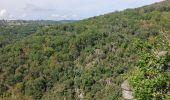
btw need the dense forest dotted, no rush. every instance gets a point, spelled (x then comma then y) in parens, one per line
(88, 59)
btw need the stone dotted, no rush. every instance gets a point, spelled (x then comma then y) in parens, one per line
(127, 95)
(81, 96)
(125, 85)
(126, 91)
(162, 53)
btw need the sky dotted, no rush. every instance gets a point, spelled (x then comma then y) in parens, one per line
(64, 9)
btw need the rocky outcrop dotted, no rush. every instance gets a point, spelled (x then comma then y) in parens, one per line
(126, 91)
(162, 53)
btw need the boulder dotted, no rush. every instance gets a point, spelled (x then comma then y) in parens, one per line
(125, 86)
(126, 91)
(162, 53)
(127, 95)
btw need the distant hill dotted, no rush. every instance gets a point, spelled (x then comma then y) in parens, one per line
(88, 59)
(41, 22)
(12, 30)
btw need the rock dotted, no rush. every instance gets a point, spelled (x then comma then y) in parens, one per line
(108, 81)
(125, 86)
(80, 93)
(126, 91)
(127, 95)
(98, 52)
(81, 96)
(162, 53)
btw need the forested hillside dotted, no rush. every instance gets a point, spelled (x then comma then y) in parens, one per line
(89, 59)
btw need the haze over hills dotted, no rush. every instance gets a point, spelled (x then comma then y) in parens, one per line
(88, 59)
(63, 9)
(40, 22)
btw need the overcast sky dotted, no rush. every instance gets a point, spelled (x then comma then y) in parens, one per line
(64, 9)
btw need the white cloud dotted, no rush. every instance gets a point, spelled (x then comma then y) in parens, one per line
(55, 15)
(3, 13)
(60, 17)
(11, 16)
(37, 8)
(75, 16)
(24, 15)
(62, 9)
(64, 17)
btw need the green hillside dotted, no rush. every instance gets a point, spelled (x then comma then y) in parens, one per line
(89, 59)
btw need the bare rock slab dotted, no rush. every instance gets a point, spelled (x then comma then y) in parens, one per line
(126, 91)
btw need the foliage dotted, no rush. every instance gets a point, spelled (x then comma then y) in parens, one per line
(86, 58)
(152, 80)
